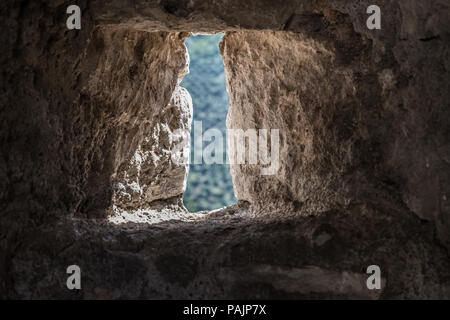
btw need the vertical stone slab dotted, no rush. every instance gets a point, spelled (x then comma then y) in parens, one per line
(130, 108)
(363, 115)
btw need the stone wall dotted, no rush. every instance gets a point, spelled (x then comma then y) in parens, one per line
(88, 118)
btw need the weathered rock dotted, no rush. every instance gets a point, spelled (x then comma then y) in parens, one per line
(88, 116)
(134, 104)
(352, 106)
(322, 257)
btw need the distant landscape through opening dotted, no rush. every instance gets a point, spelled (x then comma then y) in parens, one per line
(209, 186)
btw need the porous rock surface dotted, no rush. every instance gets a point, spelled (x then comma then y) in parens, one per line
(87, 160)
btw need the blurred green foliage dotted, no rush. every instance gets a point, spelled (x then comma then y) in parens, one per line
(209, 186)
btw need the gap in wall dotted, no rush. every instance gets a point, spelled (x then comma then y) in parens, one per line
(209, 186)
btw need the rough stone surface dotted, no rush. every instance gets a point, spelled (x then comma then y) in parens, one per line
(363, 115)
(86, 168)
(155, 172)
(323, 257)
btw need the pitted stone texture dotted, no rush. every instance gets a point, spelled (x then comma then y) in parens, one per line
(362, 114)
(132, 105)
(199, 15)
(157, 170)
(235, 257)
(288, 82)
(76, 104)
